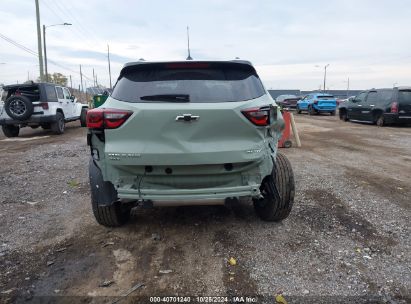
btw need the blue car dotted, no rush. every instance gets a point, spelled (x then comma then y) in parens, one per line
(316, 103)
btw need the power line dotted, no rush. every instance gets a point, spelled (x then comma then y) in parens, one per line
(84, 31)
(26, 49)
(20, 46)
(87, 30)
(78, 33)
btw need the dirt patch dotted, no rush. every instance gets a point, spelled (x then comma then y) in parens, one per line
(348, 219)
(236, 278)
(394, 190)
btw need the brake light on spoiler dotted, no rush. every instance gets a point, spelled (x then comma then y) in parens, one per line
(106, 118)
(187, 65)
(261, 117)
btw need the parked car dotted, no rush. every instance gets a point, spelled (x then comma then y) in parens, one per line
(342, 100)
(187, 133)
(379, 106)
(46, 105)
(316, 103)
(287, 101)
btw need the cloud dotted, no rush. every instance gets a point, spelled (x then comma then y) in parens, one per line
(364, 40)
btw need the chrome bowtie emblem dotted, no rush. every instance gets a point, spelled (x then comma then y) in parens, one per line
(187, 117)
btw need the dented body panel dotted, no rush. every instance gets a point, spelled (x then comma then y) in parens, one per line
(159, 155)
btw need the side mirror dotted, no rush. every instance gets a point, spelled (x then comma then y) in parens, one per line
(72, 97)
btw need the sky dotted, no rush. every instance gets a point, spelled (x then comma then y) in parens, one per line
(289, 42)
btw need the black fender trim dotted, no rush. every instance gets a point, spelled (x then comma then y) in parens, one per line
(102, 192)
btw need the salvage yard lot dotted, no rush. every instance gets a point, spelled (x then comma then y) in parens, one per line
(348, 233)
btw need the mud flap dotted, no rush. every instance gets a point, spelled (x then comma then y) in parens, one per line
(103, 193)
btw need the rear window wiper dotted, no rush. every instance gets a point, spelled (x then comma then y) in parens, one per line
(168, 97)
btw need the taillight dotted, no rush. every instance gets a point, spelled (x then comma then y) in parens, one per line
(44, 105)
(106, 118)
(187, 65)
(394, 107)
(258, 116)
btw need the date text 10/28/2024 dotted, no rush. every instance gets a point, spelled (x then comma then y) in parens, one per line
(204, 299)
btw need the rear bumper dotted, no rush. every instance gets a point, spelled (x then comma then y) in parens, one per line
(188, 183)
(32, 120)
(185, 195)
(390, 118)
(287, 105)
(325, 108)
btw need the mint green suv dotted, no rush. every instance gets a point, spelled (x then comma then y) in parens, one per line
(187, 133)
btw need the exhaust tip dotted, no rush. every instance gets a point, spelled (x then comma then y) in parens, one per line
(168, 170)
(228, 167)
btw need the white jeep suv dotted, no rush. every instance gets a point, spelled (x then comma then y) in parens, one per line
(45, 105)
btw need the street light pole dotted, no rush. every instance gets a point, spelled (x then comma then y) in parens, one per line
(325, 75)
(44, 46)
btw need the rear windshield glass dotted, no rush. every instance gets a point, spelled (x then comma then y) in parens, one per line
(404, 96)
(51, 93)
(325, 97)
(197, 83)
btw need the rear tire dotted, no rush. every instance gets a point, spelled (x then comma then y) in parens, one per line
(107, 210)
(343, 115)
(278, 190)
(114, 215)
(83, 116)
(59, 125)
(380, 120)
(10, 130)
(311, 110)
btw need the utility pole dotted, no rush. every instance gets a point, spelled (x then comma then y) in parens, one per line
(94, 79)
(71, 82)
(81, 79)
(348, 85)
(325, 75)
(39, 41)
(85, 83)
(188, 44)
(109, 68)
(45, 53)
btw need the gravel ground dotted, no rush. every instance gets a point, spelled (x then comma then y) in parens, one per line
(347, 238)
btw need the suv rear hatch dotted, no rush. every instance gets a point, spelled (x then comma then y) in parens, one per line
(30, 90)
(326, 100)
(404, 103)
(188, 113)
